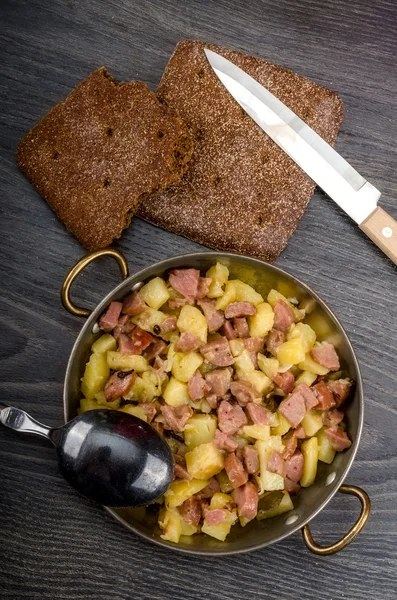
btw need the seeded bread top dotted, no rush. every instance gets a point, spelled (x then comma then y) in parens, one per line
(99, 151)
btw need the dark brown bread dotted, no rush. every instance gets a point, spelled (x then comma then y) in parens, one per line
(242, 193)
(97, 153)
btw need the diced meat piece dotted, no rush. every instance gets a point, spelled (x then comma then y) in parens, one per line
(291, 487)
(149, 409)
(205, 506)
(125, 344)
(244, 392)
(246, 498)
(285, 381)
(141, 339)
(212, 488)
(175, 417)
(324, 396)
(174, 303)
(239, 309)
(311, 399)
(155, 350)
(203, 287)
(241, 327)
(119, 384)
(293, 408)
(216, 516)
(124, 325)
(283, 316)
(258, 414)
(276, 463)
(332, 417)
(251, 459)
(187, 343)
(341, 389)
(110, 317)
(290, 444)
(218, 352)
(337, 438)
(133, 305)
(181, 473)
(274, 340)
(230, 418)
(300, 433)
(185, 281)
(219, 381)
(254, 344)
(169, 324)
(191, 510)
(235, 470)
(197, 387)
(254, 359)
(212, 400)
(294, 466)
(326, 356)
(228, 330)
(160, 365)
(215, 318)
(224, 442)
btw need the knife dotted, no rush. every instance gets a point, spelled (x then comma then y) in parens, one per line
(328, 169)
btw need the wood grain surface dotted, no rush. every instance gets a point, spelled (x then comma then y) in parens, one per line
(54, 544)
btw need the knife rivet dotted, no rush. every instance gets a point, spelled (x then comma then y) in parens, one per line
(387, 232)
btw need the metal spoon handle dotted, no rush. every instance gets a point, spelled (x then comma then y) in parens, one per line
(18, 419)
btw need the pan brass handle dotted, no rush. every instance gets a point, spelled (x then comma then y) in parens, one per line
(80, 266)
(351, 534)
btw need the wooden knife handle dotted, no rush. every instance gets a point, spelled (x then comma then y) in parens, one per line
(382, 229)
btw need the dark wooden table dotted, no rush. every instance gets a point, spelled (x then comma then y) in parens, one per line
(56, 545)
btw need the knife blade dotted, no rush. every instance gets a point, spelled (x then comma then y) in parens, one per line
(328, 169)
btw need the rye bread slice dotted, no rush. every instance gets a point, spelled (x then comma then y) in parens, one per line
(242, 193)
(97, 153)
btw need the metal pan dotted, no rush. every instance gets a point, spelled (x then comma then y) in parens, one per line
(310, 501)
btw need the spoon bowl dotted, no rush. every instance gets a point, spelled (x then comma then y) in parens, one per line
(108, 456)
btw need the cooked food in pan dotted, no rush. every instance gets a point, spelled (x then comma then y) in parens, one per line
(247, 397)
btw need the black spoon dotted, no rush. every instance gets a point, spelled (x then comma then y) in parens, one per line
(110, 457)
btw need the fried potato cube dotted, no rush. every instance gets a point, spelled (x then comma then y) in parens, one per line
(306, 377)
(181, 489)
(97, 372)
(261, 323)
(204, 461)
(312, 422)
(269, 366)
(127, 362)
(291, 352)
(246, 293)
(176, 393)
(309, 450)
(104, 343)
(227, 297)
(184, 365)
(136, 411)
(155, 293)
(325, 451)
(199, 429)
(191, 319)
(306, 335)
(219, 274)
(170, 523)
